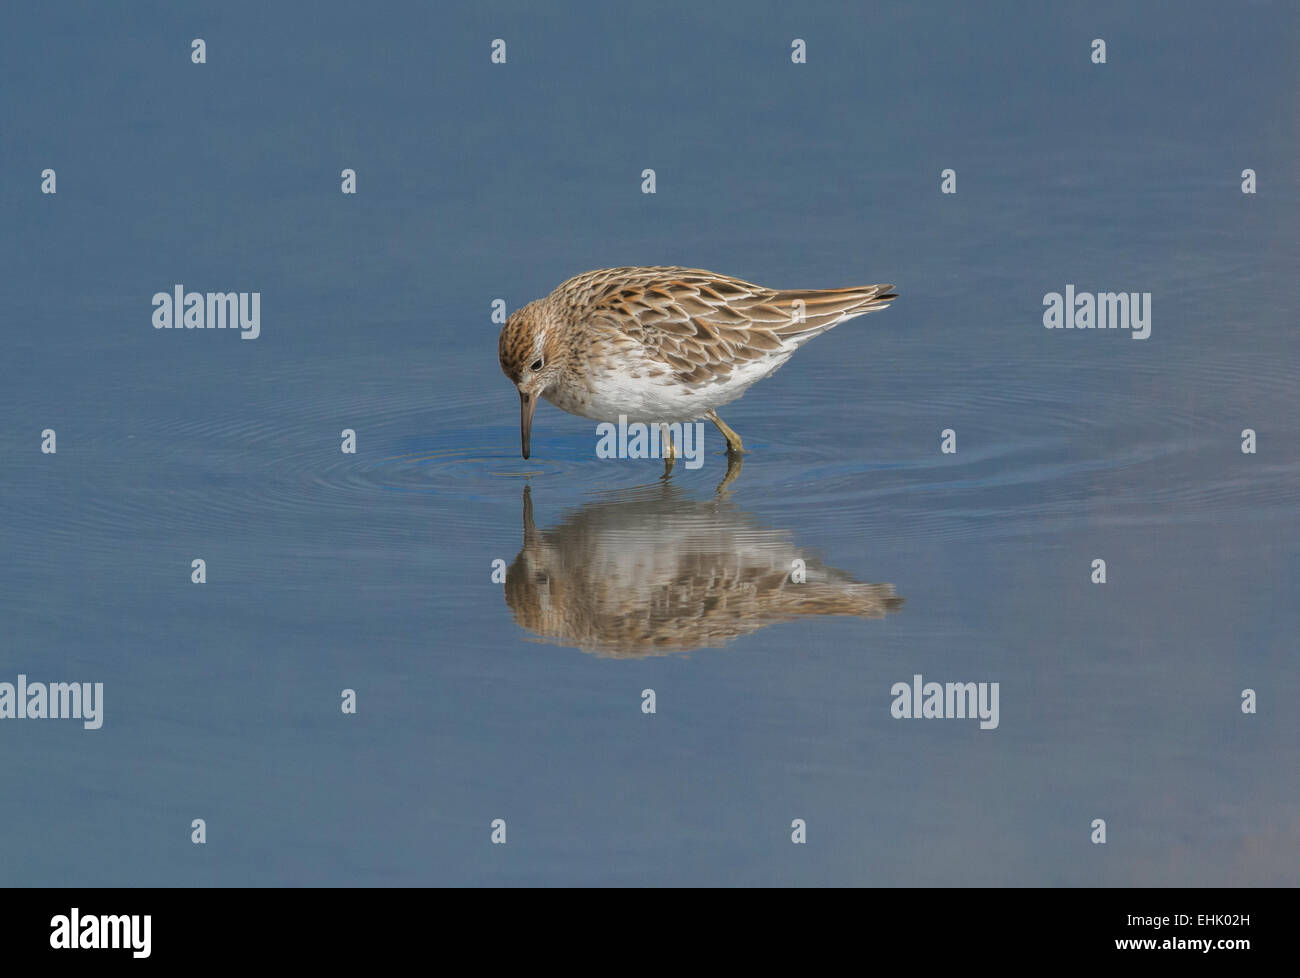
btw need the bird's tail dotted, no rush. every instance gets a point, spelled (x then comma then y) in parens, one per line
(814, 311)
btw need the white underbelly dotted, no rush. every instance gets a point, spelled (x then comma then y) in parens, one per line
(609, 395)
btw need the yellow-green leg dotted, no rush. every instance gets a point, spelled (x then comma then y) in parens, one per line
(669, 449)
(734, 444)
(734, 463)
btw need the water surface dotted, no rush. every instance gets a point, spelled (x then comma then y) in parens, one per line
(481, 700)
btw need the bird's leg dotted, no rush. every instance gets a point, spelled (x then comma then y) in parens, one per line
(734, 464)
(734, 445)
(669, 449)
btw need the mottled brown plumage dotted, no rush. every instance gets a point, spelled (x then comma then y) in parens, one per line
(663, 344)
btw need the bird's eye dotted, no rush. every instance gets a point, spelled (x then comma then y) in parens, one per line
(537, 365)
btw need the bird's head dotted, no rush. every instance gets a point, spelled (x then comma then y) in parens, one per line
(530, 354)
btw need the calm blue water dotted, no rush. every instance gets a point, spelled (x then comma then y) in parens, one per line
(373, 571)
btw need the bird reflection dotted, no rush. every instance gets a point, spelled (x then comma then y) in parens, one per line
(652, 572)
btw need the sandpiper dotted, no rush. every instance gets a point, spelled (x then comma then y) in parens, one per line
(664, 344)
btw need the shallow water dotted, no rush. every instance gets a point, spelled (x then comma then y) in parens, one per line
(481, 700)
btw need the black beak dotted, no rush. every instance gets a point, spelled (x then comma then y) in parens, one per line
(527, 405)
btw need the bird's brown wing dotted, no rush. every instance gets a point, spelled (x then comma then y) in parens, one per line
(702, 325)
